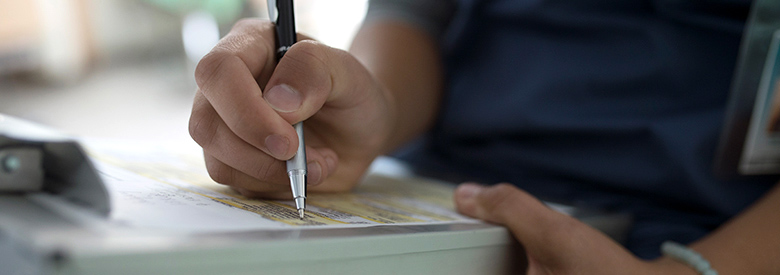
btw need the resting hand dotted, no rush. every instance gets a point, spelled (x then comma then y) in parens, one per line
(554, 243)
(246, 104)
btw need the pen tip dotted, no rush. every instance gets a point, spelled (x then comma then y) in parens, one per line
(300, 213)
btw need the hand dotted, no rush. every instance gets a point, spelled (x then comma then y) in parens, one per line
(554, 243)
(246, 104)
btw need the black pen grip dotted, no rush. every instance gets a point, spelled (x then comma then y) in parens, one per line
(285, 27)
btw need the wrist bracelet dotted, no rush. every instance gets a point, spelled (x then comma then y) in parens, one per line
(688, 256)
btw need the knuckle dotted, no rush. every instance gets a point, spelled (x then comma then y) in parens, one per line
(267, 171)
(202, 128)
(309, 46)
(246, 36)
(247, 23)
(228, 50)
(220, 172)
(238, 46)
(309, 56)
(250, 131)
(208, 66)
(306, 65)
(262, 171)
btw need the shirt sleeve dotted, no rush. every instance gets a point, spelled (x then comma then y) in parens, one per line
(432, 16)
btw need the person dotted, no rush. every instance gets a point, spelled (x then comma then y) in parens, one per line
(611, 104)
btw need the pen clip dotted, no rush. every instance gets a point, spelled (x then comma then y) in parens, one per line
(273, 13)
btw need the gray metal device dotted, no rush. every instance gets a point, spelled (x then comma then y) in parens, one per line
(34, 159)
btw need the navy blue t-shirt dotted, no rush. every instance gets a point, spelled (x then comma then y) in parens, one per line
(616, 104)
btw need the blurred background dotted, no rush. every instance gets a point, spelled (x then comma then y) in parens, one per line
(124, 68)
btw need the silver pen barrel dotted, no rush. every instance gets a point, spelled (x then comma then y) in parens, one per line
(296, 170)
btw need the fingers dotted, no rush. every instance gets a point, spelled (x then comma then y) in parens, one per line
(547, 236)
(226, 78)
(225, 174)
(231, 160)
(528, 219)
(246, 104)
(277, 186)
(554, 243)
(251, 41)
(311, 74)
(337, 96)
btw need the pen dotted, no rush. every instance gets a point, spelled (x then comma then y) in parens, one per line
(281, 12)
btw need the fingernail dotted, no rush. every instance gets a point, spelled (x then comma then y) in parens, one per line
(314, 172)
(468, 190)
(283, 98)
(277, 145)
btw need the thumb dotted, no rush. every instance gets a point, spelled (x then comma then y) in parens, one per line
(554, 242)
(528, 218)
(312, 74)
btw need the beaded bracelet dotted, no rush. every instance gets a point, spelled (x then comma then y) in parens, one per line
(688, 256)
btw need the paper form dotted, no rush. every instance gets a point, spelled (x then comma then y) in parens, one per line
(168, 188)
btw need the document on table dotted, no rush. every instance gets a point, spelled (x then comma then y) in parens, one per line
(168, 188)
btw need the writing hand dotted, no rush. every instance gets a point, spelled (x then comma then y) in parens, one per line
(246, 104)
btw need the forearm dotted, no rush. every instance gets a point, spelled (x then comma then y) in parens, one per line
(406, 61)
(747, 244)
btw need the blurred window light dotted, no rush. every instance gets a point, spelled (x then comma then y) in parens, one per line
(64, 55)
(224, 11)
(44, 37)
(333, 22)
(200, 33)
(19, 34)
